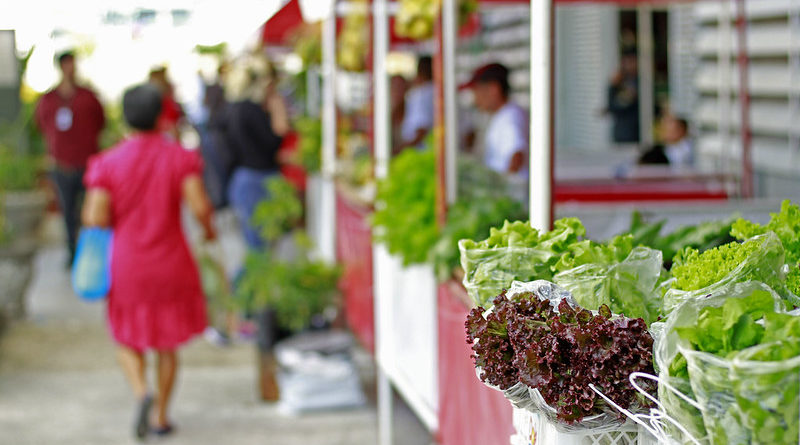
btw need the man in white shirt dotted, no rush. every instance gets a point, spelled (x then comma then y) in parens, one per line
(418, 118)
(506, 137)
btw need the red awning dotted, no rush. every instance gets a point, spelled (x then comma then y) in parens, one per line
(280, 26)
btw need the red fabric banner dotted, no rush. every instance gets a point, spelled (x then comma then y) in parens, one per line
(470, 413)
(354, 252)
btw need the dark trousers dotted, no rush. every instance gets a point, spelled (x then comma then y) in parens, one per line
(69, 185)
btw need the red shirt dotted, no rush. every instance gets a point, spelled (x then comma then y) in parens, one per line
(71, 126)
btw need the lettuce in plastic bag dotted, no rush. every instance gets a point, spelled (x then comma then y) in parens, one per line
(699, 274)
(627, 286)
(516, 251)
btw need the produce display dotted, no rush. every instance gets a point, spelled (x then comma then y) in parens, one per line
(283, 276)
(722, 331)
(614, 273)
(309, 150)
(280, 212)
(786, 225)
(297, 290)
(355, 34)
(543, 340)
(415, 19)
(404, 217)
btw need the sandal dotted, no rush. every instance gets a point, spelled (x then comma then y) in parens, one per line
(142, 420)
(162, 430)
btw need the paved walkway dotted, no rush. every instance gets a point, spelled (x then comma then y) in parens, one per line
(60, 385)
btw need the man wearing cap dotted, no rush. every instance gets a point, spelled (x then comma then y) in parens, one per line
(506, 138)
(71, 119)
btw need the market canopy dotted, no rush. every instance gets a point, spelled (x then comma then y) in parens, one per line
(281, 25)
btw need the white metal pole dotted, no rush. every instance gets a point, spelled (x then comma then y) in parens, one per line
(644, 22)
(541, 155)
(449, 38)
(327, 247)
(380, 49)
(794, 81)
(382, 150)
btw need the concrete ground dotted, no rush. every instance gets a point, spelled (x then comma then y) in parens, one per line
(60, 384)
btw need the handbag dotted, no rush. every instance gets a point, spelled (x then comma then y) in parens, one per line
(91, 271)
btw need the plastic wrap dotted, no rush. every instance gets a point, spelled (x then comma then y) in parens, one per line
(765, 264)
(487, 272)
(709, 375)
(608, 420)
(628, 287)
(768, 394)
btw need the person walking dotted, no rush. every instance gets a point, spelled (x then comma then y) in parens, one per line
(71, 119)
(256, 122)
(156, 300)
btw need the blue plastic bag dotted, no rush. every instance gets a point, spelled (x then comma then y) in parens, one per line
(91, 272)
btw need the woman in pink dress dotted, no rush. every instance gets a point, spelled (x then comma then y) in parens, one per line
(156, 301)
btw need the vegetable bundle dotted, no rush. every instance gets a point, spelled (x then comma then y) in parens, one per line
(786, 225)
(740, 353)
(542, 340)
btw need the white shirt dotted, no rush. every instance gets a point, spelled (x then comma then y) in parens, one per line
(506, 134)
(419, 111)
(680, 154)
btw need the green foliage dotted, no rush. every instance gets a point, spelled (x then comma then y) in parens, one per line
(730, 327)
(280, 212)
(297, 290)
(750, 393)
(115, 128)
(17, 171)
(404, 217)
(515, 251)
(482, 204)
(309, 152)
(469, 219)
(694, 270)
(785, 224)
(217, 50)
(702, 237)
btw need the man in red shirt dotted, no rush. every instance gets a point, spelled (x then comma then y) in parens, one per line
(71, 119)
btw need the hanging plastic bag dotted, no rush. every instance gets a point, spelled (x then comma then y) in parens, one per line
(91, 273)
(766, 264)
(709, 379)
(768, 392)
(628, 287)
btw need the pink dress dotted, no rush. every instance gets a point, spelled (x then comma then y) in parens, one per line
(156, 300)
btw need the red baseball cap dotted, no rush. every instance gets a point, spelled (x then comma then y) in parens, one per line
(493, 72)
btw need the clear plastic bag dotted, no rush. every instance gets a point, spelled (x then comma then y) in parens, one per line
(609, 419)
(766, 265)
(768, 395)
(628, 287)
(709, 375)
(487, 272)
